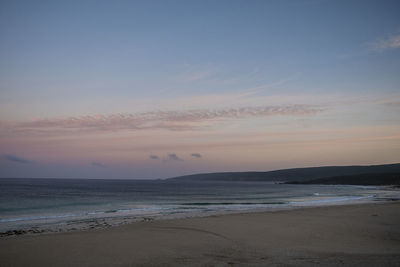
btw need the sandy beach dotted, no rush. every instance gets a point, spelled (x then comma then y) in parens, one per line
(351, 235)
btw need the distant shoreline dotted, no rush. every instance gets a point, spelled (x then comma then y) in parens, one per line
(299, 175)
(280, 175)
(378, 179)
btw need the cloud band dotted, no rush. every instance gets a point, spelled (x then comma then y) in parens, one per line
(169, 120)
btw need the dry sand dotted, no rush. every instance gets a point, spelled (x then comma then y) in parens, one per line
(354, 235)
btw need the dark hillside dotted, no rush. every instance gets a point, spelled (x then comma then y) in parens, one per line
(288, 175)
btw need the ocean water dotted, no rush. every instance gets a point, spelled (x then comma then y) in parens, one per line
(30, 202)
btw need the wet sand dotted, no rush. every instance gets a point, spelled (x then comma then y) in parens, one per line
(352, 235)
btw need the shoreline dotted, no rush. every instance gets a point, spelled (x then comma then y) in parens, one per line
(89, 224)
(357, 235)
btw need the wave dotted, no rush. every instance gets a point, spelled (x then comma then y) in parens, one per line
(230, 203)
(83, 214)
(330, 200)
(34, 218)
(180, 207)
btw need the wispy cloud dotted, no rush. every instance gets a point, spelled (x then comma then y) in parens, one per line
(98, 164)
(17, 159)
(392, 103)
(192, 76)
(169, 157)
(260, 88)
(196, 155)
(174, 157)
(168, 120)
(390, 42)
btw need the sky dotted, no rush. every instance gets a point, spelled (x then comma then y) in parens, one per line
(156, 89)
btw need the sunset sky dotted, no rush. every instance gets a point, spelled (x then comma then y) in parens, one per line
(155, 89)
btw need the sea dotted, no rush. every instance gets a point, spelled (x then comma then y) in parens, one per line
(27, 203)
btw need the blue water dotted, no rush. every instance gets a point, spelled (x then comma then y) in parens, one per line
(36, 201)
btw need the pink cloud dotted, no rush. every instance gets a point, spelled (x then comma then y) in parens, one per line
(168, 120)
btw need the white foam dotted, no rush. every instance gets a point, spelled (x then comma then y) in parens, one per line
(34, 218)
(329, 200)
